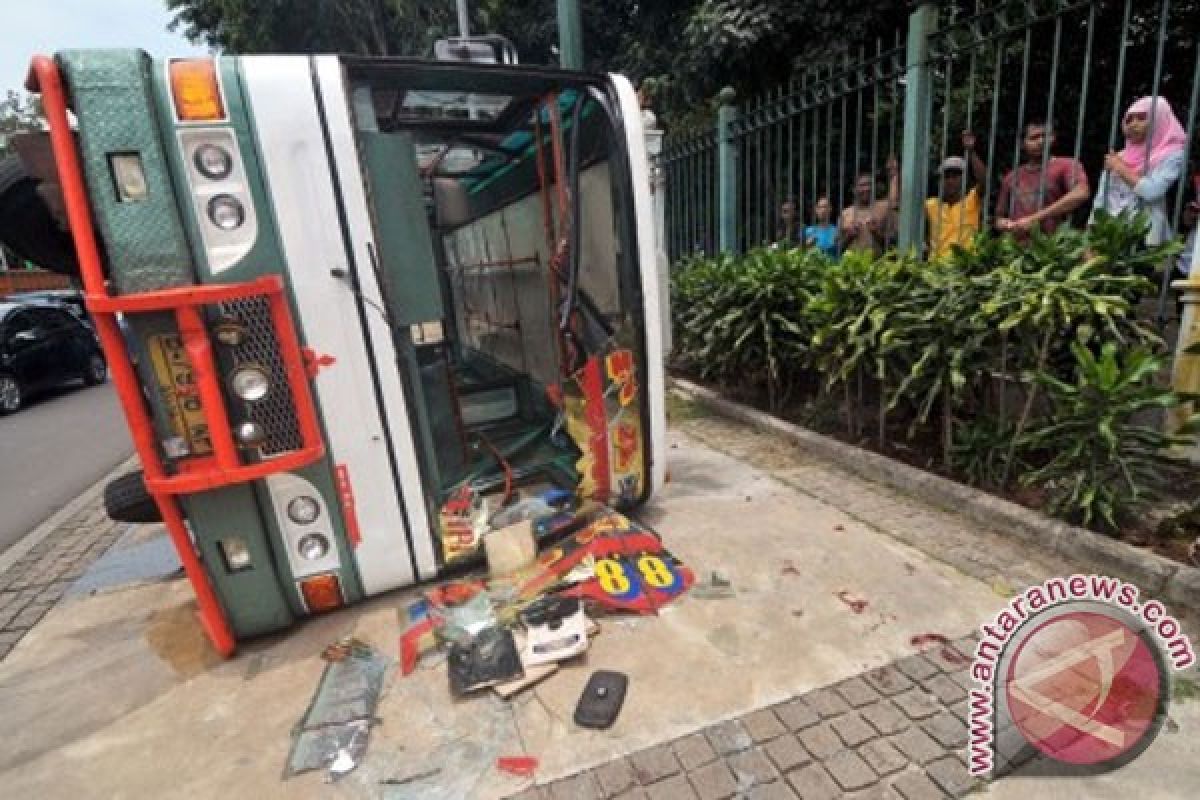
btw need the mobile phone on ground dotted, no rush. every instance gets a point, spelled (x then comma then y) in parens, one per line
(601, 700)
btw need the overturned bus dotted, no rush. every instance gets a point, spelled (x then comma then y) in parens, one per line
(357, 309)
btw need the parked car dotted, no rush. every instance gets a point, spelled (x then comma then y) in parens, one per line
(70, 299)
(42, 346)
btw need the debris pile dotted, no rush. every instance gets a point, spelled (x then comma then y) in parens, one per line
(506, 632)
(511, 630)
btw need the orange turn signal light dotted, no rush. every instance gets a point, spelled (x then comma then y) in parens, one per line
(195, 90)
(321, 592)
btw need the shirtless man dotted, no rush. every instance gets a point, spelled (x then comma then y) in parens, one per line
(868, 224)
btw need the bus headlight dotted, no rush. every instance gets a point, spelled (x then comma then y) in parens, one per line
(250, 434)
(313, 546)
(213, 162)
(226, 212)
(250, 383)
(303, 510)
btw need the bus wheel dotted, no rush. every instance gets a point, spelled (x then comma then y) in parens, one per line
(126, 500)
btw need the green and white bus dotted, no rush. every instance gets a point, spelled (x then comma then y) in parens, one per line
(355, 308)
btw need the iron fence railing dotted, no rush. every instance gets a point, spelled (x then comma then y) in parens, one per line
(689, 162)
(988, 69)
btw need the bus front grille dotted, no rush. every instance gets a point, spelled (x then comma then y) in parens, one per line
(275, 413)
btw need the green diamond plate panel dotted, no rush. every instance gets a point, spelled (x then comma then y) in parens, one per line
(112, 99)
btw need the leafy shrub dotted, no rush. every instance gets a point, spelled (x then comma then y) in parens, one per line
(1102, 463)
(979, 451)
(931, 340)
(745, 320)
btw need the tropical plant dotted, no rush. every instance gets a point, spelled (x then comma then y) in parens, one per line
(744, 320)
(938, 341)
(1071, 285)
(1101, 461)
(851, 316)
(929, 342)
(979, 451)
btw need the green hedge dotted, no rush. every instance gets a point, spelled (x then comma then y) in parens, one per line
(939, 348)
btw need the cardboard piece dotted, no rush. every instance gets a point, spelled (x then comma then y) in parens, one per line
(510, 549)
(533, 675)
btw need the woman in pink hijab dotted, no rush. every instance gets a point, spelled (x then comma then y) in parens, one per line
(1139, 177)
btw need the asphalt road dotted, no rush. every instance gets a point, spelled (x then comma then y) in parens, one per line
(57, 446)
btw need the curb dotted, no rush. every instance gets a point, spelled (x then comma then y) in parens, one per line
(21, 547)
(1152, 573)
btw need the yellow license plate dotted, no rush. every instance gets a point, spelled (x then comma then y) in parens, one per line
(178, 391)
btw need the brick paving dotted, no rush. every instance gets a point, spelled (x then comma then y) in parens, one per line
(847, 740)
(35, 583)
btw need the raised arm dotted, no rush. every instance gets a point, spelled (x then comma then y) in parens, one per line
(847, 230)
(978, 169)
(893, 172)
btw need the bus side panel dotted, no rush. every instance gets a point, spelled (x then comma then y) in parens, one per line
(296, 169)
(262, 256)
(395, 403)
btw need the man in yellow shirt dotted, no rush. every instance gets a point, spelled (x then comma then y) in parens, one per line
(954, 218)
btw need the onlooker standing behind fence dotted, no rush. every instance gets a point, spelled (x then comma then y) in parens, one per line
(824, 234)
(789, 227)
(954, 217)
(1139, 177)
(1037, 194)
(870, 224)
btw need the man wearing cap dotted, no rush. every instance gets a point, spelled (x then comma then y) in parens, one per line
(954, 217)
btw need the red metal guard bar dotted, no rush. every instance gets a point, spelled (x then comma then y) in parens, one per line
(44, 73)
(197, 474)
(224, 467)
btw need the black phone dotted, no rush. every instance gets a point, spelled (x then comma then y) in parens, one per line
(602, 698)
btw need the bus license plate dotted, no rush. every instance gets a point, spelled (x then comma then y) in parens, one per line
(178, 391)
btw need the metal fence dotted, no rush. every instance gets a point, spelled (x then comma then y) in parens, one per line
(690, 169)
(1076, 65)
(811, 141)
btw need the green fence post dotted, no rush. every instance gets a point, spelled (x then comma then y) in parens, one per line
(918, 115)
(570, 35)
(727, 170)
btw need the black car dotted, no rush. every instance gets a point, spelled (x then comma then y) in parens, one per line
(70, 299)
(42, 346)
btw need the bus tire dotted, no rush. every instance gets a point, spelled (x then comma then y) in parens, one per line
(27, 225)
(126, 500)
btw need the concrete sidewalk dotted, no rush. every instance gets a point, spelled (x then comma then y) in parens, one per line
(39, 569)
(804, 684)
